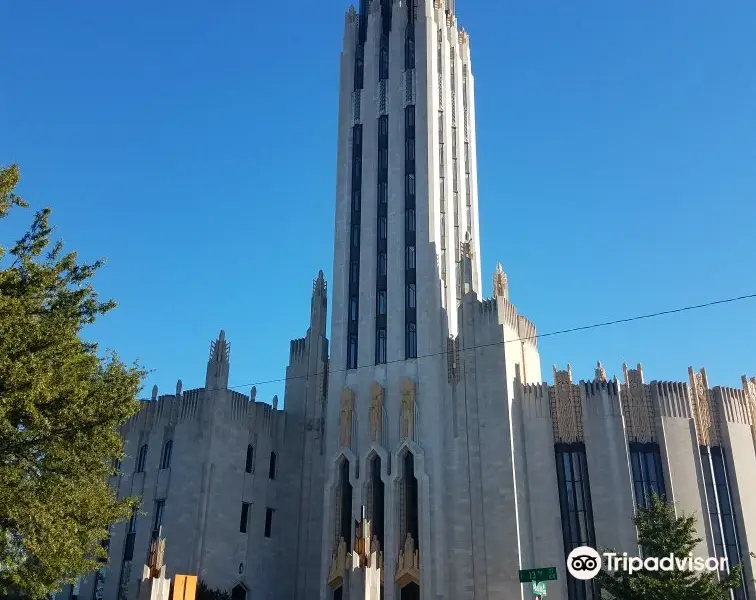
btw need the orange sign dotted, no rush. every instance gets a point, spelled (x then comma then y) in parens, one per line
(184, 587)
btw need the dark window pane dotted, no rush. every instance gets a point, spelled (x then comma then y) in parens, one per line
(272, 466)
(382, 302)
(250, 459)
(244, 520)
(165, 461)
(411, 296)
(382, 264)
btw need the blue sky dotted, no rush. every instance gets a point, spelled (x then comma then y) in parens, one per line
(192, 144)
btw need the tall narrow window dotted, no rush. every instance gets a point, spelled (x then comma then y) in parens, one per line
(382, 264)
(411, 296)
(352, 352)
(381, 283)
(244, 520)
(268, 521)
(723, 521)
(410, 220)
(411, 340)
(157, 521)
(576, 511)
(250, 463)
(344, 505)
(410, 257)
(355, 220)
(648, 477)
(128, 552)
(165, 459)
(381, 303)
(141, 459)
(380, 346)
(272, 469)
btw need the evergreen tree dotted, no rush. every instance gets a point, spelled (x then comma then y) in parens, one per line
(206, 593)
(661, 533)
(60, 407)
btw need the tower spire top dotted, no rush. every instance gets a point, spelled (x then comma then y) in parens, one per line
(218, 365)
(220, 349)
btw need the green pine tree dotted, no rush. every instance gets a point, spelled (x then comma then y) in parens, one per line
(661, 533)
(60, 407)
(206, 593)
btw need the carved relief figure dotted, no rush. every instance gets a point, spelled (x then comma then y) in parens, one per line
(345, 418)
(408, 409)
(376, 412)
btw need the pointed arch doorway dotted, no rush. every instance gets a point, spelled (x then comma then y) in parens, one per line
(239, 592)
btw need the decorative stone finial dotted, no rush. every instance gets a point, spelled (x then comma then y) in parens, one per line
(500, 287)
(220, 349)
(600, 372)
(179, 386)
(319, 285)
(253, 393)
(275, 402)
(154, 392)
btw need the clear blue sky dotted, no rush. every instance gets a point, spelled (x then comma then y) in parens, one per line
(192, 144)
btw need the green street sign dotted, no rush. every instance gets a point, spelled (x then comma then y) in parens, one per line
(538, 575)
(539, 589)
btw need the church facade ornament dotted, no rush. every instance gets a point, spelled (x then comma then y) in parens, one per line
(376, 412)
(346, 417)
(409, 410)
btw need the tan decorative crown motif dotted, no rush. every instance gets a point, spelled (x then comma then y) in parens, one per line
(637, 407)
(600, 372)
(500, 288)
(408, 564)
(338, 565)
(566, 407)
(704, 410)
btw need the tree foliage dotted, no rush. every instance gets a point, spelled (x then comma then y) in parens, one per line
(60, 408)
(661, 533)
(206, 593)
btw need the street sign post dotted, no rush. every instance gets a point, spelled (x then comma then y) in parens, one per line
(538, 575)
(539, 589)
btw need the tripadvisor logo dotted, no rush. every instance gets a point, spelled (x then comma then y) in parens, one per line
(585, 563)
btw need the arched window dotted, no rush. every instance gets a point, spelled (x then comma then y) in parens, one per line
(141, 459)
(165, 459)
(272, 469)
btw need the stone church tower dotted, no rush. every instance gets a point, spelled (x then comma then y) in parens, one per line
(420, 479)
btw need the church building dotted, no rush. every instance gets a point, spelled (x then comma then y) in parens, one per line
(420, 454)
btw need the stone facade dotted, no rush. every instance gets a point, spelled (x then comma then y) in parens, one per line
(236, 481)
(421, 456)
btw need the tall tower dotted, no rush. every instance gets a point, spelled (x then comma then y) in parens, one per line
(400, 503)
(406, 201)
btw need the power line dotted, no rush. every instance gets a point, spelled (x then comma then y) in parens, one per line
(532, 337)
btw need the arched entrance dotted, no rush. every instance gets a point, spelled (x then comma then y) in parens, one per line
(239, 592)
(411, 591)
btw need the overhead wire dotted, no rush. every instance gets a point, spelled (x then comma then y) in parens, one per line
(521, 339)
